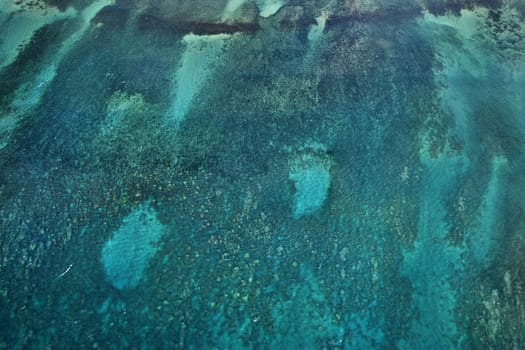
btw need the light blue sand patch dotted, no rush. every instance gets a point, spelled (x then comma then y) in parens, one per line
(311, 178)
(127, 254)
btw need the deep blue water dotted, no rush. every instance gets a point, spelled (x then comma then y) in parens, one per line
(267, 174)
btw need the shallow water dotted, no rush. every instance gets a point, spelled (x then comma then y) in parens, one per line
(263, 174)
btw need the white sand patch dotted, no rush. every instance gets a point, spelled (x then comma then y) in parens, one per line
(266, 8)
(17, 29)
(29, 94)
(457, 63)
(433, 296)
(491, 220)
(7, 7)
(92, 10)
(311, 178)
(467, 24)
(127, 254)
(314, 37)
(269, 8)
(466, 65)
(197, 62)
(231, 7)
(316, 31)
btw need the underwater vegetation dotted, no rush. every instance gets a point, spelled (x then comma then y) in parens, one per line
(262, 174)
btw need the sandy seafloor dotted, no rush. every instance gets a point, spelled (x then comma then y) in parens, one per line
(262, 174)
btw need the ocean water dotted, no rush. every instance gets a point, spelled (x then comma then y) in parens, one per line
(262, 174)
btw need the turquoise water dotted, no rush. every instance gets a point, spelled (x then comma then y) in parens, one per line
(262, 174)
